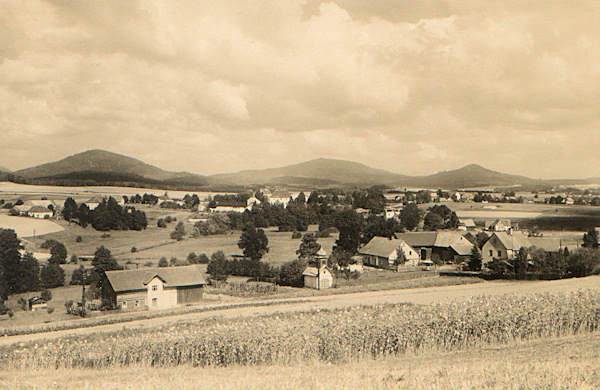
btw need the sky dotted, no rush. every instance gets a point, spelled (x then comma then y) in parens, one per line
(413, 87)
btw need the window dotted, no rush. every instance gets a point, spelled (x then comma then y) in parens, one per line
(154, 302)
(123, 305)
(491, 253)
(154, 288)
(137, 303)
(499, 253)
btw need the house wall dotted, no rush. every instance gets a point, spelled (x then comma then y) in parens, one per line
(325, 281)
(159, 296)
(134, 300)
(498, 250)
(310, 281)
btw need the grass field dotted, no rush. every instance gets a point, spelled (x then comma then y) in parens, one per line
(28, 227)
(571, 362)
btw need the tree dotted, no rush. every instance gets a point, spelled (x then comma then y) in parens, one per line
(69, 209)
(253, 243)
(308, 247)
(58, 254)
(481, 238)
(349, 224)
(475, 260)
(290, 273)
(179, 232)
(590, 239)
(10, 263)
(78, 276)
(218, 267)
(379, 227)
(163, 262)
(520, 261)
(30, 273)
(410, 216)
(51, 276)
(46, 295)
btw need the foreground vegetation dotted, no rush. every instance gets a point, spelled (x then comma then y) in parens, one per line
(571, 362)
(322, 336)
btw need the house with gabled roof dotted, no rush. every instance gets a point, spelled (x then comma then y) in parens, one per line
(447, 246)
(503, 245)
(382, 252)
(280, 196)
(155, 288)
(318, 278)
(498, 225)
(40, 212)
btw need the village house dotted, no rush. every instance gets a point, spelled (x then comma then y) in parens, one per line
(444, 246)
(466, 224)
(229, 207)
(40, 212)
(280, 196)
(503, 245)
(37, 303)
(318, 278)
(382, 252)
(498, 225)
(155, 288)
(393, 211)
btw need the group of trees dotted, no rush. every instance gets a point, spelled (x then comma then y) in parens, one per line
(440, 217)
(23, 273)
(109, 215)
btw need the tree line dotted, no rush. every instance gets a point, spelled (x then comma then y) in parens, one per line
(108, 215)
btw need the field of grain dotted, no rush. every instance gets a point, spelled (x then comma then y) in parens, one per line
(329, 336)
(570, 362)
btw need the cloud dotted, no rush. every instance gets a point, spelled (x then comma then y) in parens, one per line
(220, 86)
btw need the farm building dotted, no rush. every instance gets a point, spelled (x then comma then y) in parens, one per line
(155, 288)
(280, 196)
(37, 303)
(498, 225)
(40, 212)
(465, 224)
(318, 278)
(447, 246)
(382, 252)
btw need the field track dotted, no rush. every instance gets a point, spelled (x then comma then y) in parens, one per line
(423, 296)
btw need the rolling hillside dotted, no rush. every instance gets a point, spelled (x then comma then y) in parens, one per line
(102, 166)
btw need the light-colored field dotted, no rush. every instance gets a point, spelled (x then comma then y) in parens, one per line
(422, 296)
(571, 362)
(28, 227)
(497, 214)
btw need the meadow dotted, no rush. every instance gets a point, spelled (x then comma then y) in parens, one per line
(357, 333)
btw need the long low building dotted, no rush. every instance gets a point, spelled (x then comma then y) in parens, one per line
(155, 288)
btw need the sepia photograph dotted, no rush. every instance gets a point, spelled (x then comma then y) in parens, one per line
(299, 194)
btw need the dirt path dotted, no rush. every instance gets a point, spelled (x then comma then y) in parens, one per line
(425, 296)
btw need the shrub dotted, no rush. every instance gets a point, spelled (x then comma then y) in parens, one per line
(148, 264)
(133, 249)
(296, 235)
(50, 310)
(163, 262)
(46, 295)
(161, 223)
(23, 303)
(10, 313)
(105, 235)
(290, 273)
(78, 239)
(74, 259)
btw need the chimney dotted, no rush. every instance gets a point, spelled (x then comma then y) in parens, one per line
(510, 231)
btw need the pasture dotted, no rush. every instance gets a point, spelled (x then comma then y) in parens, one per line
(28, 227)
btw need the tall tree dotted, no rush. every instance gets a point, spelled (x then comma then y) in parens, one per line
(51, 276)
(349, 224)
(308, 247)
(475, 259)
(58, 254)
(410, 216)
(10, 263)
(590, 239)
(253, 243)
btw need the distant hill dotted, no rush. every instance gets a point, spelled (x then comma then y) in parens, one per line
(102, 166)
(469, 176)
(3, 169)
(302, 182)
(335, 171)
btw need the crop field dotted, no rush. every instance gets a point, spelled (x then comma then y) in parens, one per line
(570, 362)
(329, 336)
(28, 227)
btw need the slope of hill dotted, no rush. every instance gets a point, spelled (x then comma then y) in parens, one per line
(469, 176)
(100, 165)
(337, 171)
(3, 169)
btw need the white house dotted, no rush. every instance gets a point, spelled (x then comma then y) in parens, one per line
(318, 278)
(465, 224)
(503, 245)
(40, 212)
(393, 211)
(155, 288)
(499, 225)
(280, 196)
(382, 252)
(252, 201)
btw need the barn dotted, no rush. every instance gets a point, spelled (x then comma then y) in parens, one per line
(155, 288)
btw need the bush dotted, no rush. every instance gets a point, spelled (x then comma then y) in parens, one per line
(46, 295)
(133, 249)
(10, 313)
(78, 239)
(296, 235)
(51, 276)
(161, 223)
(148, 264)
(50, 310)
(74, 259)
(163, 262)
(23, 303)
(290, 273)
(105, 235)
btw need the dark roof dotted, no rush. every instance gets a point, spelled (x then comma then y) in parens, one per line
(39, 209)
(137, 279)
(418, 239)
(380, 247)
